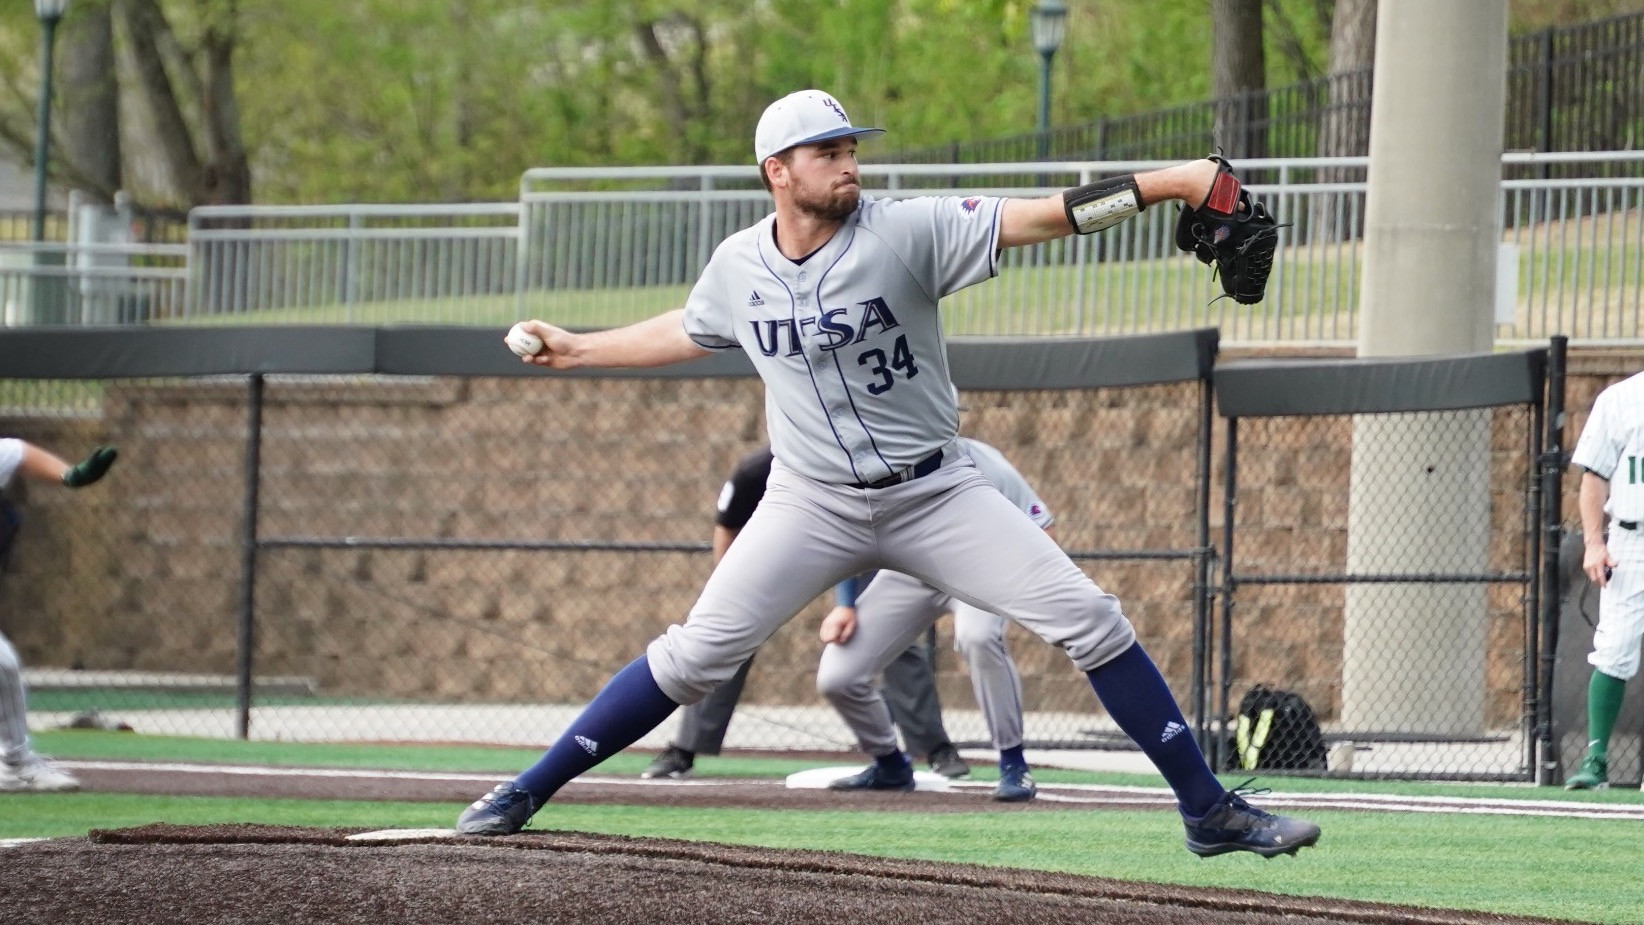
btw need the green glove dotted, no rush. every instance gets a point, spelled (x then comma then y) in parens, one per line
(91, 468)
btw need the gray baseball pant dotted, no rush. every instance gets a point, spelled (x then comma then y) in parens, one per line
(891, 609)
(14, 729)
(950, 529)
(910, 692)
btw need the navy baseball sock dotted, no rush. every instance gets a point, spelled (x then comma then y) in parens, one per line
(895, 762)
(630, 705)
(1011, 758)
(1139, 700)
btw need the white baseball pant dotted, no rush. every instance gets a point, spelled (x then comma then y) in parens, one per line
(1621, 607)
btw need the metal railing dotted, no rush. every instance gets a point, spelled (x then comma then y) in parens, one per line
(1578, 244)
(85, 284)
(604, 246)
(353, 263)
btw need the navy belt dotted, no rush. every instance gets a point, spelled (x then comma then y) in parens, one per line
(919, 469)
(1627, 524)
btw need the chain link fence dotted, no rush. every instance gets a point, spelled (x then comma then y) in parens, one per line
(467, 558)
(1382, 544)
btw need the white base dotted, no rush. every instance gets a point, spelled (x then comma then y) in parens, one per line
(820, 778)
(404, 835)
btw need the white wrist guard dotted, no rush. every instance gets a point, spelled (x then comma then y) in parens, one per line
(1103, 204)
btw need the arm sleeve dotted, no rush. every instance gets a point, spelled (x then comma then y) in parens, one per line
(742, 492)
(946, 242)
(1599, 448)
(844, 593)
(847, 592)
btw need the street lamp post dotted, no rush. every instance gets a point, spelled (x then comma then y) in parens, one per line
(1049, 26)
(50, 13)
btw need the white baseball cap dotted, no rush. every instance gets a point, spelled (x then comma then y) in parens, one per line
(803, 118)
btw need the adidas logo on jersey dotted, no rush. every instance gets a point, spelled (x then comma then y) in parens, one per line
(1171, 730)
(754, 301)
(588, 745)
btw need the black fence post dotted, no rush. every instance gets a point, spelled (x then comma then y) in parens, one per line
(1552, 525)
(1544, 100)
(248, 559)
(1225, 669)
(1201, 568)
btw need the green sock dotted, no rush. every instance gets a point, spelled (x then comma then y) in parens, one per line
(1603, 706)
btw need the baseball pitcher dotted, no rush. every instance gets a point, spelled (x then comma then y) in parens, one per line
(834, 297)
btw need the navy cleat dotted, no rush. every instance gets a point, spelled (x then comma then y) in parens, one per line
(1234, 825)
(503, 811)
(875, 777)
(1015, 785)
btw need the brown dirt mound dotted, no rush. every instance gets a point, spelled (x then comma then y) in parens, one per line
(251, 873)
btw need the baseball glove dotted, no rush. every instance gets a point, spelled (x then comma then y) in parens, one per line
(1234, 233)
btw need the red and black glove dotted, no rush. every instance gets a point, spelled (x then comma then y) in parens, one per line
(1233, 232)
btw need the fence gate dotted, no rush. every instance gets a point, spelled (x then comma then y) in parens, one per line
(1381, 539)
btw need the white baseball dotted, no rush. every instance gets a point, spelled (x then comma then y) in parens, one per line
(523, 342)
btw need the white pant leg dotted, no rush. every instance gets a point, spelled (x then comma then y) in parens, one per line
(979, 636)
(890, 614)
(802, 539)
(1621, 608)
(14, 728)
(955, 531)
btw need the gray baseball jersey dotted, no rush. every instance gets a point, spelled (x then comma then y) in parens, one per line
(848, 341)
(850, 348)
(1611, 446)
(895, 609)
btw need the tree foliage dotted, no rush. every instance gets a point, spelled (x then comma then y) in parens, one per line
(420, 100)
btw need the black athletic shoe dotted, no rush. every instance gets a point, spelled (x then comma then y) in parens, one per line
(945, 761)
(503, 811)
(875, 777)
(674, 763)
(1234, 825)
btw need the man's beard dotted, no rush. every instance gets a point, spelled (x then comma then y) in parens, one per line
(833, 206)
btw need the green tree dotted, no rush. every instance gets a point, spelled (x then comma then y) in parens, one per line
(428, 100)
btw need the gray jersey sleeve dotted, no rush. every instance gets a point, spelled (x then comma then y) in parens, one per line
(709, 318)
(947, 243)
(997, 469)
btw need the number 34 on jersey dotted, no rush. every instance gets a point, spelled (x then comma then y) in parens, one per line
(832, 331)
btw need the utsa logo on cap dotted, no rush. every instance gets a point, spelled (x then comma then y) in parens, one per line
(803, 118)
